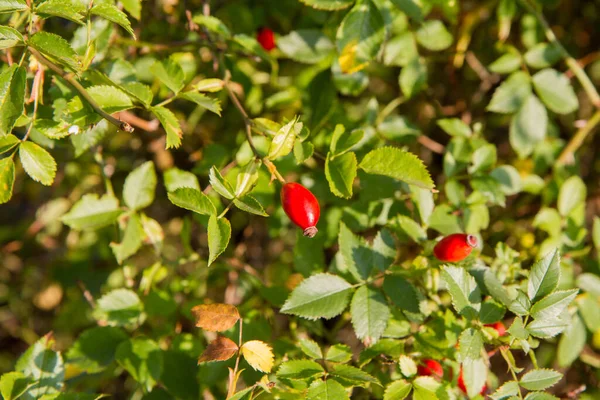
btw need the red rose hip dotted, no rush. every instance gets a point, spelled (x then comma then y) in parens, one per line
(463, 387)
(499, 327)
(301, 206)
(430, 368)
(455, 247)
(266, 38)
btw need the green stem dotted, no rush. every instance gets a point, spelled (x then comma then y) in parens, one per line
(578, 139)
(533, 358)
(233, 380)
(225, 210)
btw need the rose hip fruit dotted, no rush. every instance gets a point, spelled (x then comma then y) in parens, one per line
(266, 38)
(301, 206)
(430, 368)
(499, 327)
(463, 387)
(455, 247)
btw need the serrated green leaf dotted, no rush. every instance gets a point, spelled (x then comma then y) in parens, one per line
(357, 256)
(339, 353)
(491, 312)
(44, 366)
(413, 77)
(133, 7)
(37, 162)
(471, 344)
(113, 14)
(402, 293)
(326, 390)
(310, 348)
(506, 64)
(328, 4)
(556, 91)
(92, 212)
(119, 307)
(308, 46)
(176, 178)
(132, 240)
(572, 193)
(352, 376)
(407, 366)
(340, 172)
(7, 179)
(425, 388)
(434, 36)
(517, 329)
(544, 276)
(250, 204)
(170, 124)
(341, 142)
(9, 6)
(219, 233)
(219, 184)
(474, 375)
(544, 328)
(56, 48)
(511, 94)
(370, 314)
(528, 126)
(506, 391)
(299, 369)
(10, 37)
(465, 293)
(95, 348)
(397, 390)
(320, 296)
(521, 304)
(397, 164)
(303, 151)
(553, 304)
(12, 97)
(540, 379)
(193, 200)
(139, 187)
(212, 105)
(283, 141)
(72, 10)
(539, 396)
(169, 72)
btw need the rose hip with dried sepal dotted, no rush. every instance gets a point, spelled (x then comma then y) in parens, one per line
(430, 368)
(455, 247)
(301, 206)
(266, 38)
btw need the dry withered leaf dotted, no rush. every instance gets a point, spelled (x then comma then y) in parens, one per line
(220, 349)
(216, 317)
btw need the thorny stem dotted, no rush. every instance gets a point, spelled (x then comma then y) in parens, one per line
(233, 377)
(124, 126)
(578, 139)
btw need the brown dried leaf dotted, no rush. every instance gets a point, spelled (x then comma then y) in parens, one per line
(220, 349)
(216, 317)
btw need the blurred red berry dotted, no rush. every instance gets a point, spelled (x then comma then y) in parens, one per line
(499, 327)
(266, 38)
(429, 368)
(455, 247)
(301, 206)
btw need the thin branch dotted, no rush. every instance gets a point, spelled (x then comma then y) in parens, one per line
(124, 126)
(233, 377)
(566, 157)
(238, 105)
(431, 144)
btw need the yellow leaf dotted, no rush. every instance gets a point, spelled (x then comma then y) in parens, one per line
(259, 355)
(348, 60)
(216, 317)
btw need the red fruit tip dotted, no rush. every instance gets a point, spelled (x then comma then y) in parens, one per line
(472, 241)
(311, 231)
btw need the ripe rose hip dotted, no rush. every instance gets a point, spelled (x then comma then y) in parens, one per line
(455, 247)
(463, 387)
(301, 206)
(499, 327)
(266, 38)
(430, 368)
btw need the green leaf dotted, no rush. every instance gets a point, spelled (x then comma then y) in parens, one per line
(56, 48)
(132, 240)
(517, 329)
(219, 184)
(397, 164)
(9, 6)
(10, 37)
(213, 24)
(543, 55)
(37, 162)
(13, 385)
(340, 172)
(352, 376)
(113, 14)
(455, 127)
(170, 124)
(548, 220)
(139, 92)
(133, 7)
(491, 312)
(250, 204)
(169, 72)
(95, 348)
(359, 36)
(434, 36)
(212, 105)
(247, 177)
(356, 255)
(572, 193)
(528, 127)
(506, 64)
(120, 307)
(91, 137)
(544, 276)
(483, 158)
(495, 288)
(572, 342)
(471, 344)
(540, 396)
(310, 348)
(553, 304)
(91, 212)
(308, 46)
(474, 375)
(406, 225)
(193, 200)
(413, 77)
(303, 151)
(342, 142)
(143, 359)
(339, 353)
(425, 388)
(397, 390)
(328, 4)
(326, 390)
(370, 314)
(521, 304)
(412, 8)
(400, 50)
(540, 379)
(402, 293)
(219, 233)
(283, 141)
(7, 179)
(556, 91)
(12, 97)
(139, 187)
(509, 179)
(320, 296)
(511, 94)
(176, 178)
(8, 142)
(544, 329)
(251, 45)
(299, 369)
(506, 391)
(466, 296)
(72, 10)
(383, 249)
(43, 366)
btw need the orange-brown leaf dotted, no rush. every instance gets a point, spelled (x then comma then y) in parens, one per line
(216, 317)
(220, 349)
